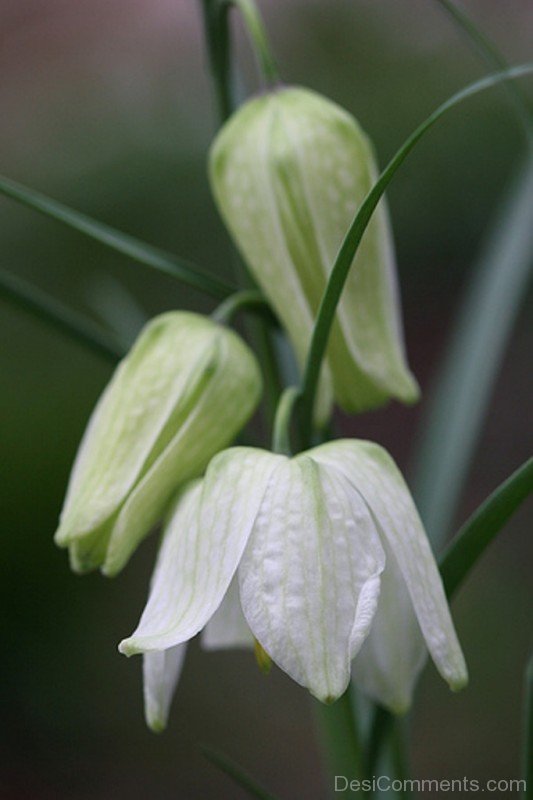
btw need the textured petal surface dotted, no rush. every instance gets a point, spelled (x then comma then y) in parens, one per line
(374, 474)
(309, 577)
(203, 542)
(394, 652)
(227, 398)
(289, 171)
(161, 672)
(227, 627)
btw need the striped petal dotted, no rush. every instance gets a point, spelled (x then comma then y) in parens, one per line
(161, 672)
(374, 474)
(309, 577)
(204, 538)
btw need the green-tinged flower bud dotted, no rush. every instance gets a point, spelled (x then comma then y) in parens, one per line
(289, 170)
(181, 395)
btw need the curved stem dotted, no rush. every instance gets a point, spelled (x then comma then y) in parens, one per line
(245, 300)
(281, 439)
(341, 745)
(258, 37)
(216, 25)
(49, 309)
(352, 240)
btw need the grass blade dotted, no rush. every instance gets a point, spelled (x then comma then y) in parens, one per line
(237, 774)
(122, 243)
(484, 524)
(460, 398)
(350, 245)
(50, 310)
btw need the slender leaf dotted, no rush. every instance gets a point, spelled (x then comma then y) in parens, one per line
(49, 309)
(237, 773)
(484, 524)
(528, 733)
(459, 401)
(123, 243)
(491, 55)
(350, 245)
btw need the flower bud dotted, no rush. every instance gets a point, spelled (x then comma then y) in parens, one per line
(185, 389)
(288, 171)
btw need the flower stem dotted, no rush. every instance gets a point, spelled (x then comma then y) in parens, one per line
(245, 300)
(339, 739)
(281, 439)
(259, 39)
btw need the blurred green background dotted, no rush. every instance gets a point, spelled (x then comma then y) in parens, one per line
(107, 106)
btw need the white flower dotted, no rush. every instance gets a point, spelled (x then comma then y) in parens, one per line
(326, 556)
(183, 392)
(289, 170)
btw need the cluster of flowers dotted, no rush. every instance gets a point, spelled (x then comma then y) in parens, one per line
(319, 559)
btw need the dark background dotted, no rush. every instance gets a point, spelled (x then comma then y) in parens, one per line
(106, 105)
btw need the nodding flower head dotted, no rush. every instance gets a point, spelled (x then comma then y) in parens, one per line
(182, 393)
(321, 559)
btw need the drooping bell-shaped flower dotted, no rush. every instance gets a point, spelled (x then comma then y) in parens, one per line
(322, 558)
(288, 171)
(182, 393)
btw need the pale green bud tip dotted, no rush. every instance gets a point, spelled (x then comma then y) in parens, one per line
(183, 392)
(289, 171)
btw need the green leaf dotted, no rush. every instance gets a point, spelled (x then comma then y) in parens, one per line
(47, 308)
(528, 733)
(123, 243)
(352, 240)
(237, 773)
(482, 527)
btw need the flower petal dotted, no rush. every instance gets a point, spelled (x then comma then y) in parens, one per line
(205, 535)
(309, 576)
(374, 474)
(227, 627)
(394, 652)
(161, 672)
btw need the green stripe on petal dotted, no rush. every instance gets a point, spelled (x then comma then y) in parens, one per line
(309, 576)
(374, 474)
(204, 538)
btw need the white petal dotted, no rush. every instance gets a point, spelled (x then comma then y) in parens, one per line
(161, 672)
(373, 473)
(227, 627)
(309, 576)
(394, 652)
(203, 542)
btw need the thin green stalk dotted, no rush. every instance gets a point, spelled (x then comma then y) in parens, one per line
(340, 743)
(52, 311)
(491, 55)
(217, 35)
(245, 300)
(380, 728)
(241, 777)
(120, 242)
(281, 438)
(259, 39)
(528, 733)
(350, 245)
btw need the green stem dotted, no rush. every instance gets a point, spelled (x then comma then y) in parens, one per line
(281, 438)
(42, 305)
(216, 25)
(341, 745)
(245, 300)
(528, 733)
(258, 37)
(352, 240)
(122, 243)
(400, 759)
(380, 728)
